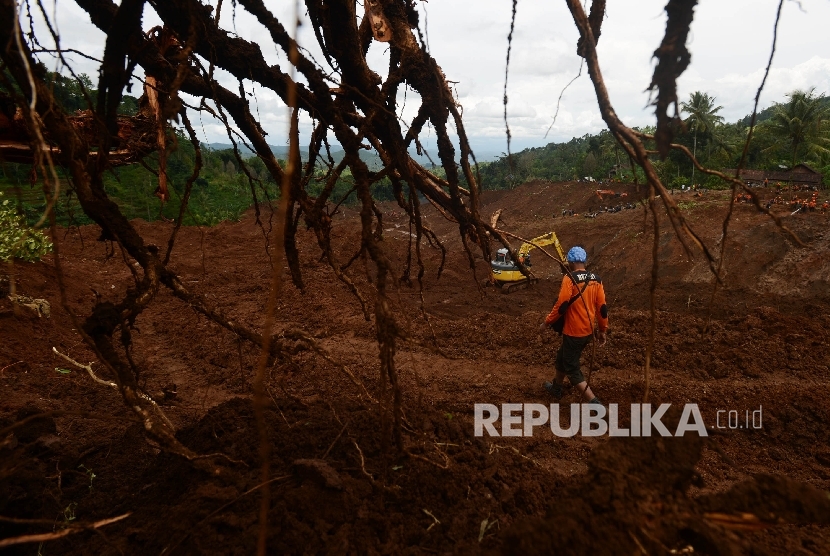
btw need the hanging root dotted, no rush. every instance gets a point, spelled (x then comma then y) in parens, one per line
(672, 60)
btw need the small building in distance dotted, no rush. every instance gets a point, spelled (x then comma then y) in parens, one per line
(800, 174)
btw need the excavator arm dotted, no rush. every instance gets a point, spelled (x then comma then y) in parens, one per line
(542, 241)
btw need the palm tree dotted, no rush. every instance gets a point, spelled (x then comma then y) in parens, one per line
(702, 117)
(802, 125)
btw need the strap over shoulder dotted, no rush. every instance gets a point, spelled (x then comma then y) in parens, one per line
(584, 277)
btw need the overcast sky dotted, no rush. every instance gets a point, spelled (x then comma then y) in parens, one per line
(730, 44)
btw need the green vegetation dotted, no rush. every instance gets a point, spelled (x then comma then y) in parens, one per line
(74, 94)
(222, 191)
(702, 117)
(801, 127)
(788, 133)
(17, 239)
(589, 155)
(89, 473)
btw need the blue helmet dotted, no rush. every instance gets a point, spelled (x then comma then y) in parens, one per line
(577, 255)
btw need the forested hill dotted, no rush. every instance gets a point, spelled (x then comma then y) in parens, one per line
(792, 131)
(768, 112)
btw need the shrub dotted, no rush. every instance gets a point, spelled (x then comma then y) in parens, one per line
(679, 181)
(17, 239)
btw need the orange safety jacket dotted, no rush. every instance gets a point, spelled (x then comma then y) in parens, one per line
(581, 314)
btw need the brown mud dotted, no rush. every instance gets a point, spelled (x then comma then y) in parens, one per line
(337, 491)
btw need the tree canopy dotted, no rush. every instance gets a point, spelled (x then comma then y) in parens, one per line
(801, 127)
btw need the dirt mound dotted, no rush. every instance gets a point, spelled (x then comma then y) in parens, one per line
(328, 499)
(634, 498)
(334, 492)
(763, 267)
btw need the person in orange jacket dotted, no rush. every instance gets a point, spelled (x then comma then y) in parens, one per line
(580, 304)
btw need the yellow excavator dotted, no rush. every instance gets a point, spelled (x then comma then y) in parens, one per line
(504, 272)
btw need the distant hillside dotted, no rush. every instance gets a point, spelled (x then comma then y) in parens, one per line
(371, 158)
(598, 156)
(767, 113)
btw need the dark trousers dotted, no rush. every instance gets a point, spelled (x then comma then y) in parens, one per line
(567, 358)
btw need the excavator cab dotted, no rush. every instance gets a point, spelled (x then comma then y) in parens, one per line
(504, 262)
(502, 259)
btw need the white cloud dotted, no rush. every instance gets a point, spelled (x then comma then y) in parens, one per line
(490, 108)
(732, 89)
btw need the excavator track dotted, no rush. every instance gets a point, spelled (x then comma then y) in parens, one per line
(510, 287)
